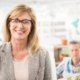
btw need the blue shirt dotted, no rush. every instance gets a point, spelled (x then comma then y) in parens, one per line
(66, 67)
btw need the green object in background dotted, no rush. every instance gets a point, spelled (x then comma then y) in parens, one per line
(69, 78)
(77, 77)
(65, 51)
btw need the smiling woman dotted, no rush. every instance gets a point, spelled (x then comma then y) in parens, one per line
(20, 25)
(22, 57)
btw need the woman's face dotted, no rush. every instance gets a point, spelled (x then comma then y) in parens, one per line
(20, 26)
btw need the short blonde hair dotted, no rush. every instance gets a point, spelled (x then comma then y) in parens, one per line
(33, 41)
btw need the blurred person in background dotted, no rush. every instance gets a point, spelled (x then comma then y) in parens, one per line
(21, 57)
(71, 64)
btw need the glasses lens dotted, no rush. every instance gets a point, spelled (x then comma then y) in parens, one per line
(15, 20)
(25, 21)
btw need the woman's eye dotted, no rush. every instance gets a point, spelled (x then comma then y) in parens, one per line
(15, 20)
(25, 22)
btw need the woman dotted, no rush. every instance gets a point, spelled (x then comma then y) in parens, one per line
(21, 57)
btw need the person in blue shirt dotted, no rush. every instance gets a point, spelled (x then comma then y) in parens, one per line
(72, 63)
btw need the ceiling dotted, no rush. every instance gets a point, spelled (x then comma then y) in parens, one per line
(37, 1)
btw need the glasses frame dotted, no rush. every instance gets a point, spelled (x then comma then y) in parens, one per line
(10, 19)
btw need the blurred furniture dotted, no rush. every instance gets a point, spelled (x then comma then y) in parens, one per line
(60, 51)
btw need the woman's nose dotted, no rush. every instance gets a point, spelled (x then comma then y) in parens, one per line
(20, 25)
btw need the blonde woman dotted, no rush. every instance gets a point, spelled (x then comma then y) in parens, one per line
(21, 57)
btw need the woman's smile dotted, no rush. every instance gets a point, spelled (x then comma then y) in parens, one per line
(20, 31)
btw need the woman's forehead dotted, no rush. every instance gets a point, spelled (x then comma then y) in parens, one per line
(21, 15)
(18, 13)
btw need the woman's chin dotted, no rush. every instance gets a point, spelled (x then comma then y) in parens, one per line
(19, 38)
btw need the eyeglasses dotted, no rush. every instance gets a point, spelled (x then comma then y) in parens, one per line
(16, 21)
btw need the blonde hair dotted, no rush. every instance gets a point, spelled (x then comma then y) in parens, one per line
(33, 41)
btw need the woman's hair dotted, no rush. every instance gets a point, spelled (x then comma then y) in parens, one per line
(33, 41)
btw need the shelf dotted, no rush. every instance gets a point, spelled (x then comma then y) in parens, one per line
(61, 46)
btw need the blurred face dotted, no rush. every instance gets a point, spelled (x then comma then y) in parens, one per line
(74, 51)
(20, 26)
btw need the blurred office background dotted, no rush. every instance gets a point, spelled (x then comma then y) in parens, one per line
(58, 22)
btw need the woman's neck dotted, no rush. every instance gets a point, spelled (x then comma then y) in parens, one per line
(18, 45)
(19, 49)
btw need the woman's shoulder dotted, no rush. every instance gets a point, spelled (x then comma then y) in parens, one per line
(42, 51)
(3, 45)
(43, 56)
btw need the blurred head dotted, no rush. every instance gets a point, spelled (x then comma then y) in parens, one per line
(74, 49)
(16, 13)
